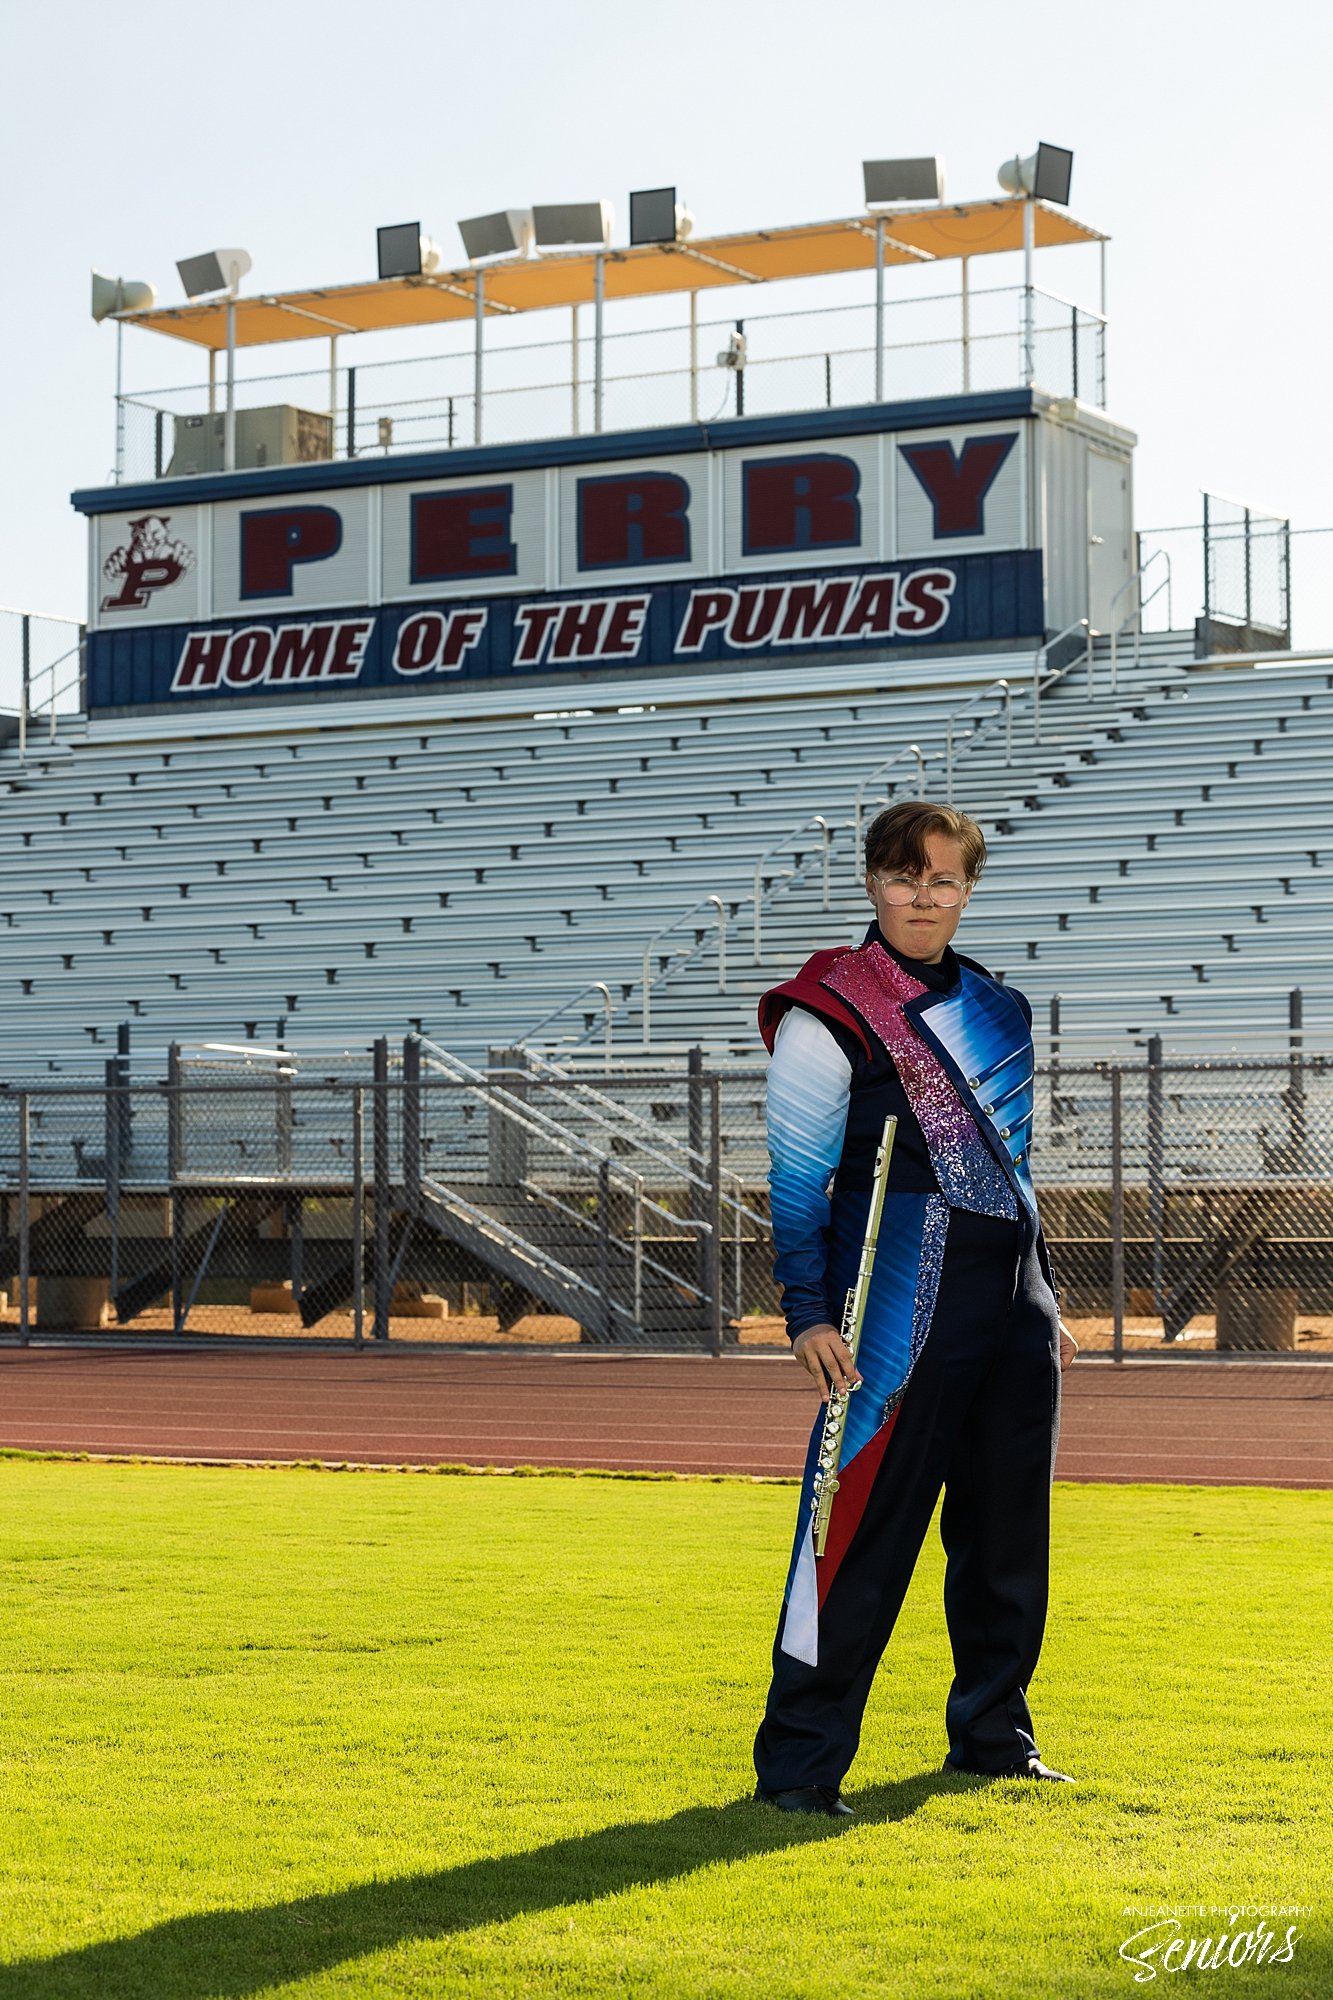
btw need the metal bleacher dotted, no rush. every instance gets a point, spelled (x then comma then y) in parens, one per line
(1173, 879)
(464, 868)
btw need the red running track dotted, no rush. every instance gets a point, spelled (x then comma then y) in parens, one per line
(1196, 1422)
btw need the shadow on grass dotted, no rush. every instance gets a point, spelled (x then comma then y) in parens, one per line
(223, 1953)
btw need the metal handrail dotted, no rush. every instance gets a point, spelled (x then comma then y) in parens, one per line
(1135, 615)
(711, 901)
(26, 709)
(980, 695)
(654, 1144)
(826, 831)
(1042, 653)
(908, 750)
(593, 986)
(526, 1115)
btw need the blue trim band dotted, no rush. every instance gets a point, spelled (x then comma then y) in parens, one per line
(491, 461)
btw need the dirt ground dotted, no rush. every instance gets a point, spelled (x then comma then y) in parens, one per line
(1314, 1334)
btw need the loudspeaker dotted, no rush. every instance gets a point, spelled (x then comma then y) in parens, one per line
(115, 295)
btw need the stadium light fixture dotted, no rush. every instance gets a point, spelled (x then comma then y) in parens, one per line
(403, 252)
(1043, 176)
(889, 181)
(498, 235)
(564, 225)
(219, 271)
(656, 216)
(213, 271)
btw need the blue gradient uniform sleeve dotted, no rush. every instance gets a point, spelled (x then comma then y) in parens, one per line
(1043, 1252)
(809, 1084)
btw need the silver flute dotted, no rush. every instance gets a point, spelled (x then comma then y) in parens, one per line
(853, 1317)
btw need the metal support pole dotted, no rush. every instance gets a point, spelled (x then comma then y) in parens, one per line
(229, 420)
(1286, 585)
(721, 909)
(740, 375)
(351, 413)
(759, 911)
(120, 407)
(411, 1123)
(1053, 1068)
(696, 1196)
(604, 1248)
(1249, 617)
(212, 381)
(1117, 1217)
(1029, 337)
(383, 1208)
(333, 390)
(1296, 1104)
(25, 682)
(694, 357)
(715, 1212)
(126, 1122)
(113, 1157)
(358, 1212)
(574, 369)
(1207, 579)
(479, 321)
(967, 330)
(598, 300)
(879, 308)
(24, 1275)
(1156, 1163)
(175, 1200)
(296, 1241)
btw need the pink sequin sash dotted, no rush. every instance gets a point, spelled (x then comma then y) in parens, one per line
(871, 980)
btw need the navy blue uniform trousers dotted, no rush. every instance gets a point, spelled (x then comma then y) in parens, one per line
(980, 1418)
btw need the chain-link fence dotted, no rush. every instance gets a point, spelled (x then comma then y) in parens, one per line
(1188, 1207)
(1247, 567)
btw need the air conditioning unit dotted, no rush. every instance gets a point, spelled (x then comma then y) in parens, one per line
(280, 435)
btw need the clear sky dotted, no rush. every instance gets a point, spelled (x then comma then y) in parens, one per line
(130, 138)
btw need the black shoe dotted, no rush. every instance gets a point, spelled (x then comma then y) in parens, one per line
(808, 1799)
(1033, 1768)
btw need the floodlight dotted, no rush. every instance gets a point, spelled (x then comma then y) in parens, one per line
(497, 235)
(655, 216)
(573, 222)
(1045, 174)
(903, 180)
(213, 271)
(403, 252)
(118, 295)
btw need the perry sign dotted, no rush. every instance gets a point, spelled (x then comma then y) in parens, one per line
(860, 540)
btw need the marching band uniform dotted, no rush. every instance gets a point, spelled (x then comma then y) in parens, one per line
(959, 1350)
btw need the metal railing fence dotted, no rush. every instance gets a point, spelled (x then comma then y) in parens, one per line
(820, 358)
(42, 674)
(1188, 1206)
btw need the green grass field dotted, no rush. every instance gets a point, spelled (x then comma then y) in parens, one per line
(374, 1734)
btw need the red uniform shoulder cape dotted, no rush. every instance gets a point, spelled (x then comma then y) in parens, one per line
(806, 989)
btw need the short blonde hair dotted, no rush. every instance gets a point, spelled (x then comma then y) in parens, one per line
(896, 838)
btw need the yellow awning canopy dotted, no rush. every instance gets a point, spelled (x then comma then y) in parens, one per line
(566, 278)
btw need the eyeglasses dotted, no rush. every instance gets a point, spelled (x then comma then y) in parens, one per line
(900, 890)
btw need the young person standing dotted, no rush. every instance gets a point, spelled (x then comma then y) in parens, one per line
(957, 1383)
